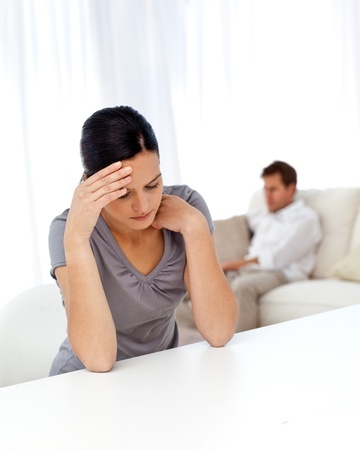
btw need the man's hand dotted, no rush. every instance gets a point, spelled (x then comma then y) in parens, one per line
(237, 264)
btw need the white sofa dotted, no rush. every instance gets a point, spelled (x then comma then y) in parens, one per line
(335, 281)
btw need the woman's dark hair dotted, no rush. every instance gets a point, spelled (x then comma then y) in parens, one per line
(114, 134)
(286, 172)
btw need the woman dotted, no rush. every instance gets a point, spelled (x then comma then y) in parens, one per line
(127, 250)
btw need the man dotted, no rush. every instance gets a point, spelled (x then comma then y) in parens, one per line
(285, 237)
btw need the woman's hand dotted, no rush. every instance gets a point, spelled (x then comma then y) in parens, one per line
(93, 194)
(175, 214)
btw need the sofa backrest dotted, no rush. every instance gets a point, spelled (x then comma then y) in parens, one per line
(339, 211)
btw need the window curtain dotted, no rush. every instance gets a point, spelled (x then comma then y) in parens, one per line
(269, 80)
(61, 60)
(228, 85)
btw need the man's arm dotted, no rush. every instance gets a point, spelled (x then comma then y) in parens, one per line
(237, 264)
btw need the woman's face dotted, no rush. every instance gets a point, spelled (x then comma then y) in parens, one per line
(136, 210)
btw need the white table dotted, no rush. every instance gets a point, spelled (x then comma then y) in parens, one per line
(287, 386)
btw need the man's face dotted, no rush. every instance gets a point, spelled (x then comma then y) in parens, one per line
(277, 195)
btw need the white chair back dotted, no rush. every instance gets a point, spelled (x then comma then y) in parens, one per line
(32, 328)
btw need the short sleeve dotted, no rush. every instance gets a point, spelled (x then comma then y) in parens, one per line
(56, 242)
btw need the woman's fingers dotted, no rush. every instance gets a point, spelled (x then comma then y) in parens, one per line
(108, 183)
(103, 173)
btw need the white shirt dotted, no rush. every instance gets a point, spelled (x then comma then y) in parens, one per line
(286, 240)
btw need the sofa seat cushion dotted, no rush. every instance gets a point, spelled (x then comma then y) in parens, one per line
(303, 298)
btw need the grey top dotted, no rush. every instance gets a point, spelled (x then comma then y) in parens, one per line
(143, 306)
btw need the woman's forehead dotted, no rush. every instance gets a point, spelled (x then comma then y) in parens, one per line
(145, 168)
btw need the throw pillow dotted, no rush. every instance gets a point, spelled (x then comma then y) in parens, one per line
(348, 268)
(232, 238)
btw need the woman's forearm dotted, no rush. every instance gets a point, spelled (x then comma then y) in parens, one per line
(213, 302)
(91, 327)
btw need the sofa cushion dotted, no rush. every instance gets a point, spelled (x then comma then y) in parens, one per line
(348, 268)
(338, 210)
(355, 236)
(232, 238)
(303, 298)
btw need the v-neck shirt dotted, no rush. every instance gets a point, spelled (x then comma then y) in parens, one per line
(143, 306)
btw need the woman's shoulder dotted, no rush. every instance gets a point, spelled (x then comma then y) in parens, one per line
(180, 190)
(57, 225)
(60, 218)
(183, 191)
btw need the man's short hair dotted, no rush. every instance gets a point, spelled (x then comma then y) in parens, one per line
(286, 172)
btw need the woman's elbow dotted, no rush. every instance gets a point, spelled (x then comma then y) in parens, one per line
(96, 358)
(100, 365)
(222, 333)
(220, 339)
(98, 361)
